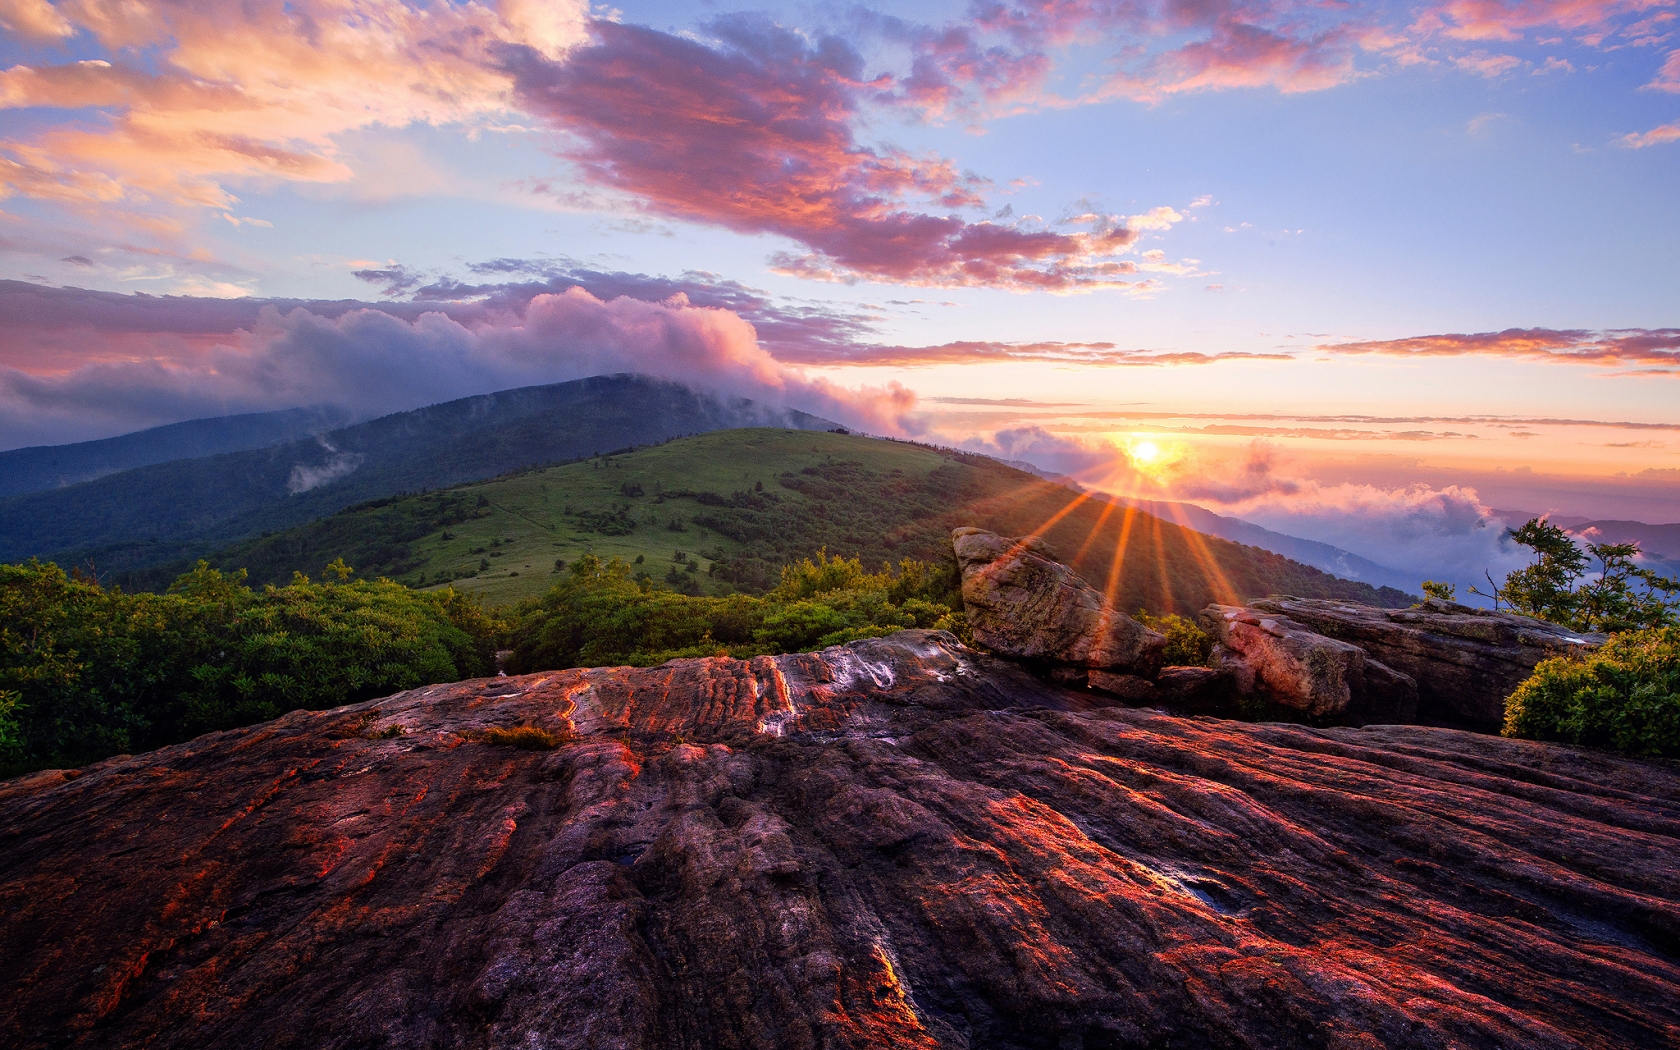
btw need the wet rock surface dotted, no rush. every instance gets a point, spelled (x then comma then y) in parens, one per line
(1465, 661)
(894, 843)
(1023, 603)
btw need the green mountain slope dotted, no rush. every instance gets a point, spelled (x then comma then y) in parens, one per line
(170, 511)
(701, 498)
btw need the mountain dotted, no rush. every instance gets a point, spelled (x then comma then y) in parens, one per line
(55, 466)
(1516, 519)
(1660, 540)
(1331, 559)
(175, 510)
(737, 505)
(897, 843)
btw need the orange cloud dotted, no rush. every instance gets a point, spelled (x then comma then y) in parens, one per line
(1617, 347)
(202, 92)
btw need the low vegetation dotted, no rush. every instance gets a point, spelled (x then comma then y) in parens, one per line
(1187, 644)
(1624, 696)
(526, 738)
(607, 613)
(88, 671)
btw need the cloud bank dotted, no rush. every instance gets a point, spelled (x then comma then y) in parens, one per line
(374, 361)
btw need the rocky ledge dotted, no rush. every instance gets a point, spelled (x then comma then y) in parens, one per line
(1438, 662)
(898, 842)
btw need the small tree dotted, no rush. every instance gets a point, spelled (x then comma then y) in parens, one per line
(1620, 596)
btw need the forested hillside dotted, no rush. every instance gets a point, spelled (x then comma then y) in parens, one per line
(174, 512)
(54, 466)
(725, 511)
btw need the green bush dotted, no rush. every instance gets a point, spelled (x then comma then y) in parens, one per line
(1187, 644)
(87, 672)
(1624, 696)
(600, 615)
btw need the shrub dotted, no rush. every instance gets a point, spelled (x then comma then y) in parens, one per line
(528, 738)
(1446, 592)
(598, 615)
(1187, 644)
(1624, 696)
(97, 672)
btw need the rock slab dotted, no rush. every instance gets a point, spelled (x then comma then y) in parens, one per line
(1465, 661)
(1022, 602)
(1266, 653)
(897, 843)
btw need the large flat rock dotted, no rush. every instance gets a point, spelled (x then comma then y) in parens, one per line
(894, 843)
(1465, 661)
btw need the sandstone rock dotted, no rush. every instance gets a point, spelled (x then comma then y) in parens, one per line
(1021, 602)
(1465, 661)
(1291, 665)
(893, 843)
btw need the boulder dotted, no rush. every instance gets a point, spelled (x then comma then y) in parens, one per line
(1296, 667)
(898, 842)
(1023, 603)
(1464, 661)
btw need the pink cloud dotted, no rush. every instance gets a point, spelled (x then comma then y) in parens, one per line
(1501, 20)
(1241, 55)
(1668, 77)
(373, 361)
(1655, 137)
(1484, 64)
(1576, 346)
(757, 136)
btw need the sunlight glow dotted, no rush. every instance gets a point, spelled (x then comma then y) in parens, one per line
(1145, 452)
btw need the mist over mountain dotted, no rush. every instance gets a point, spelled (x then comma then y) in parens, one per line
(1327, 557)
(55, 466)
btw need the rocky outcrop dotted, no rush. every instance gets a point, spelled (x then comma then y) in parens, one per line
(1022, 602)
(1266, 653)
(1464, 661)
(894, 843)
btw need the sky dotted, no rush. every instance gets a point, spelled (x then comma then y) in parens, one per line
(1361, 272)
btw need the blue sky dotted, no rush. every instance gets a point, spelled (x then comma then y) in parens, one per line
(1276, 209)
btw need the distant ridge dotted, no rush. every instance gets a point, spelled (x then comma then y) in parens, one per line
(1663, 541)
(41, 467)
(1322, 556)
(182, 509)
(1331, 559)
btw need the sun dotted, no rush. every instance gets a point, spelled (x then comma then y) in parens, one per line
(1145, 452)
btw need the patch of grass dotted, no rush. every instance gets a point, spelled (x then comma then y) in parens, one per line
(526, 738)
